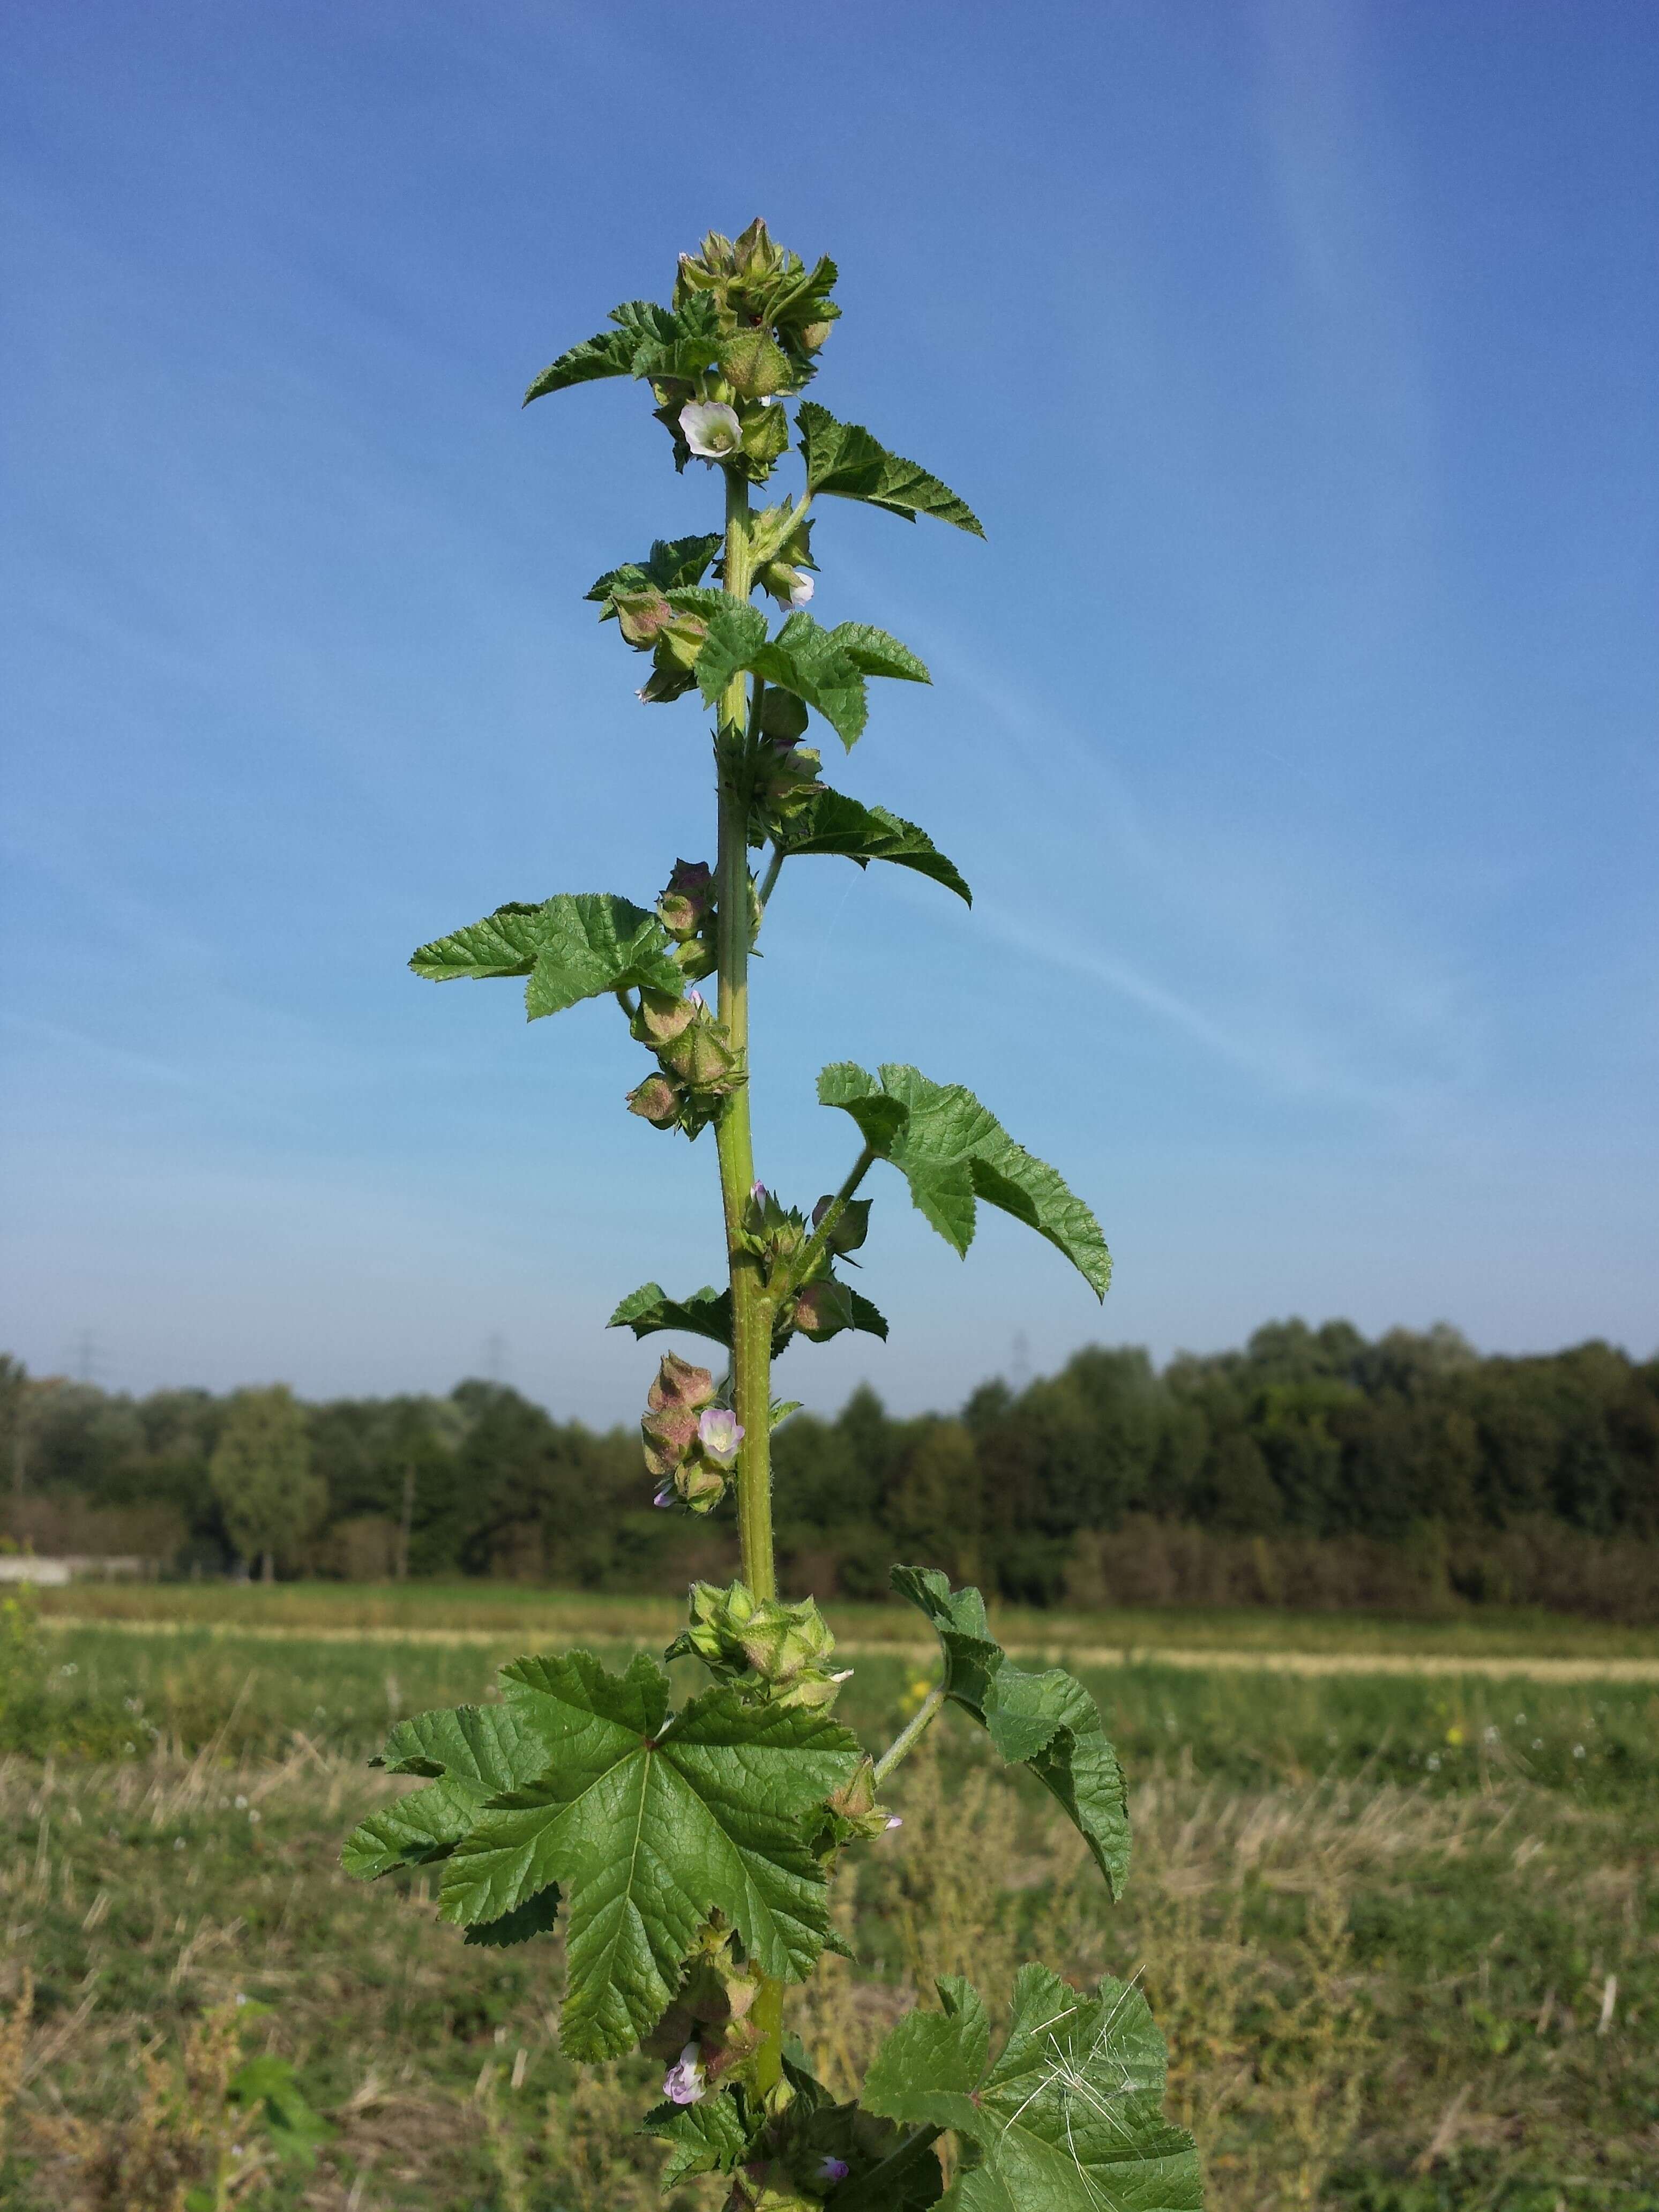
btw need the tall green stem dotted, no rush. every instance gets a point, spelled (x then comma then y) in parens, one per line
(751, 1307)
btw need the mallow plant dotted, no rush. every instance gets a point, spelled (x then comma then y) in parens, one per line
(689, 1853)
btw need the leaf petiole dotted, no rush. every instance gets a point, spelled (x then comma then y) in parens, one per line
(772, 868)
(910, 1734)
(812, 1251)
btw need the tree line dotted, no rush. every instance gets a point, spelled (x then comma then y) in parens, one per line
(1313, 1467)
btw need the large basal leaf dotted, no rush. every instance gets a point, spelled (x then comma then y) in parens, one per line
(952, 1151)
(578, 945)
(844, 459)
(1070, 2117)
(650, 1311)
(1046, 1721)
(831, 822)
(648, 341)
(648, 1824)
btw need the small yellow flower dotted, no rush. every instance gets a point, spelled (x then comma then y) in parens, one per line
(1454, 1736)
(914, 1691)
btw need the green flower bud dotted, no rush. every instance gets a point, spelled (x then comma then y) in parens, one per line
(764, 440)
(759, 283)
(664, 684)
(662, 1017)
(700, 1486)
(763, 1645)
(641, 616)
(689, 901)
(679, 643)
(701, 1058)
(853, 1807)
(822, 1310)
(788, 778)
(783, 716)
(790, 588)
(657, 1101)
(754, 365)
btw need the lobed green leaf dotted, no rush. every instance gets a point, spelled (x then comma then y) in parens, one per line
(425, 1825)
(1070, 2117)
(574, 946)
(476, 1752)
(648, 341)
(842, 458)
(953, 1152)
(824, 668)
(831, 822)
(650, 1311)
(1047, 1722)
(649, 1825)
(876, 653)
(536, 1916)
(672, 564)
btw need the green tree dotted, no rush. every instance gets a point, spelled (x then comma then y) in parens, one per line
(263, 1478)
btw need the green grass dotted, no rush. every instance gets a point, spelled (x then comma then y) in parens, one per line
(513, 1609)
(116, 1695)
(1381, 1940)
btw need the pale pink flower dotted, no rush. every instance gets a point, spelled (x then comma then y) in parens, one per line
(685, 2083)
(719, 1432)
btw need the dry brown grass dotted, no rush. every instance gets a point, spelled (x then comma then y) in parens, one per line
(1321, 1957)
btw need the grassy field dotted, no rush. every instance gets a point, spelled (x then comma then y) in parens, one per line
(1403, 1930)
(515, 1610)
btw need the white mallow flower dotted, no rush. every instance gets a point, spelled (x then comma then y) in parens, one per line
(803, 590)
(719, 1432)
(710, 428)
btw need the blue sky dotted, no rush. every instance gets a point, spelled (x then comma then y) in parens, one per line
(1294, 725)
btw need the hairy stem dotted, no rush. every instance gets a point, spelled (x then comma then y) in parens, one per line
(910, 1734)
(751, 1307)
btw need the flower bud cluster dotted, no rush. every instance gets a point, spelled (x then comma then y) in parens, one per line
(651, 623)
(786, 777)
(687, 912)
(773, 1232)
(690, 1442)
(762, 291)
(770, 315)
(781, 549)
(773, 1652)
(699, 1068)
